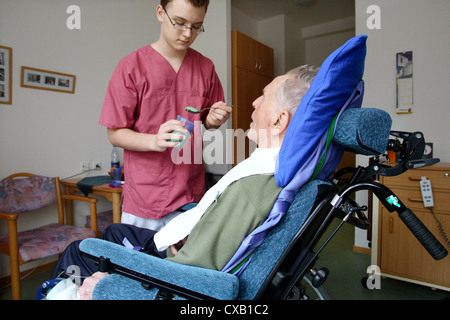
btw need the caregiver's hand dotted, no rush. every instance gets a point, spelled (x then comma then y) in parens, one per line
(137, 141)
(165, 138)
(219, 113)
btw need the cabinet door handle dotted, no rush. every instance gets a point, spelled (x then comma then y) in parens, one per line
(391, 225)
(415, 199)
(258, 65)
(414, 179)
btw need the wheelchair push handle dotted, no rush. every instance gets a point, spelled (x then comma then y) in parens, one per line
(425, 237)
(393, 203)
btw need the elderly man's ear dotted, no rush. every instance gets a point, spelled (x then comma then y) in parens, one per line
(280, 123)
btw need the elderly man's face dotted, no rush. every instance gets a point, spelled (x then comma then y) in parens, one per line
(266, 113)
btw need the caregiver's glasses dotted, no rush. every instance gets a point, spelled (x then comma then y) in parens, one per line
(183, 27)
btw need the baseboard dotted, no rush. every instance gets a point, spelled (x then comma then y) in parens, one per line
(361, 250)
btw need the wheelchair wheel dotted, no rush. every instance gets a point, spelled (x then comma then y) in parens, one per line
(304, 290)
(45, 288)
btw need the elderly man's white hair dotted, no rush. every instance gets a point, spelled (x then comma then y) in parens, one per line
(292, 91)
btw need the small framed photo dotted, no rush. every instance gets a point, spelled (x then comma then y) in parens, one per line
(5, 75)
(405, 82)
(47, 80)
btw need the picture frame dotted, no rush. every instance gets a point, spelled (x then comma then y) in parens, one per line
(5, 75)
(405, 82)
(47, 80)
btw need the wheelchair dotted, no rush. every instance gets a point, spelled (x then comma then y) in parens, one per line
(277, 261)
(286, 272)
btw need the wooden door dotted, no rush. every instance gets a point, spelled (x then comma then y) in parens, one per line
(249, 88)
(402, 254)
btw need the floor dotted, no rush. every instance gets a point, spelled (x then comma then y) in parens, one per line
(347, 268)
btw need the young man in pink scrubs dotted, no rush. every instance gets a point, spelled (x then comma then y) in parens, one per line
(147, 91)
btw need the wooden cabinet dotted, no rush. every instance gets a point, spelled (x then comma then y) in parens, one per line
(252, 55)
(253, 69)
(399, 253)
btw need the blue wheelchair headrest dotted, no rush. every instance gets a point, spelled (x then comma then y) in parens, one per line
(364, 131)
(333, 85)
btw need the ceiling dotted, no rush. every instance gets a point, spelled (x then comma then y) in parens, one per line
(310, 13)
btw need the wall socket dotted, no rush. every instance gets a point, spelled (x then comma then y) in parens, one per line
(84, 166)
(93, 165)
(96, 165)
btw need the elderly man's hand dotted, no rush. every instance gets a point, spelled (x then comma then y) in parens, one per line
(177, 246)
(87, 288)
(219, 113)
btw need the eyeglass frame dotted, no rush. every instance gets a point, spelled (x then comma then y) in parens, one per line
(185, 27)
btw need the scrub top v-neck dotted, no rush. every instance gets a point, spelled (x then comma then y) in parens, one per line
(143, 93)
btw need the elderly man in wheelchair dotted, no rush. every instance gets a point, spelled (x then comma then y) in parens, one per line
(253, 234)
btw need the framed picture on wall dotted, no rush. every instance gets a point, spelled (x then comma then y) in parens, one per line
(405, 82)
(5, 75)
(47, 80)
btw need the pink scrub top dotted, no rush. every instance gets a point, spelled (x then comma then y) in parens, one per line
(143, 93)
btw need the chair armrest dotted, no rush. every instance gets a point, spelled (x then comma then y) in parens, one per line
(79, 198)
(9, 216)
(211, 283)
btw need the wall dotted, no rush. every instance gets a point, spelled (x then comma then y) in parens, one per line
(420, 26)
(323, 39)
(272, 31)
(244, 23)
(50, 133)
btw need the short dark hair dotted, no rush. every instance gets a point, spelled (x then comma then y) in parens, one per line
(195, 3)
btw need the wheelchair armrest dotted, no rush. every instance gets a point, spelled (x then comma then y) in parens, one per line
(183, 280)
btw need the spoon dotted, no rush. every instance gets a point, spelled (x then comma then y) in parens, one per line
(195, 110)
